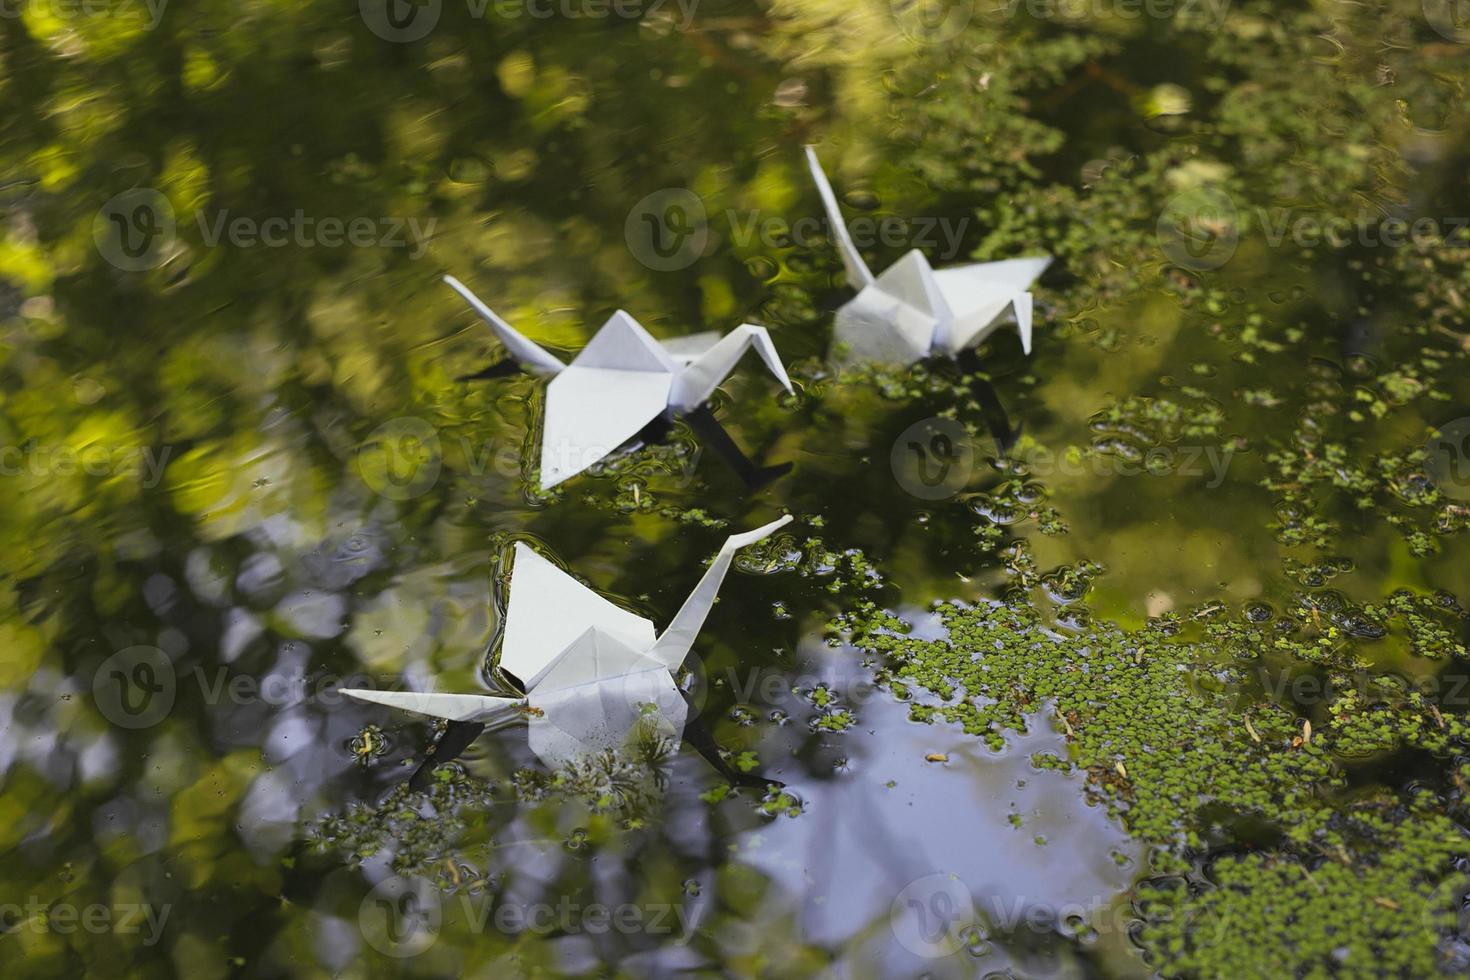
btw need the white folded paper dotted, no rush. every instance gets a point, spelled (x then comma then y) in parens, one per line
(912, 310)
(591, 670)
(622, 380)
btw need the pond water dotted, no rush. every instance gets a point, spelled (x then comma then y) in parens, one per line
(1173, 684)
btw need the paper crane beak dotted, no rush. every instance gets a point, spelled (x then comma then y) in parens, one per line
(1022, 306)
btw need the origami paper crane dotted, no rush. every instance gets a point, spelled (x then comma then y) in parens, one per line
(591, 670)
(623, 380)
(912, 310)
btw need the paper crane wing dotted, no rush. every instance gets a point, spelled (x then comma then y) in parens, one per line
(896, 320)
(532, 357)
(858, 275)
(569, 723)
(695, 383)
(549, 610)
(878, 327)
(590, 412)
(453, 707)
(673, 646)
(621, 344)
(617, 384)
(979, 293)
(595, 655)
(912, 281)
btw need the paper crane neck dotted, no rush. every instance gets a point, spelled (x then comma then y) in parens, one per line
(912, 310)
(554, 619)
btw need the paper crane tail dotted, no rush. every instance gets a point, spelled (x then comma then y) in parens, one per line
(1022, 306)
(531, 356)
(451, 707)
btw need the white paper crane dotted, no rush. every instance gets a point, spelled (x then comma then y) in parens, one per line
(622, 380)
(591, 670)
(912, 311)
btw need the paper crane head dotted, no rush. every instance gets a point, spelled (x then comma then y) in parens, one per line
(621, 381)
(592, 671)
(911, 310)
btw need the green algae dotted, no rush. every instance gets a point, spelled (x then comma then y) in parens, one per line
(1379, 908)
(1186, 765)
